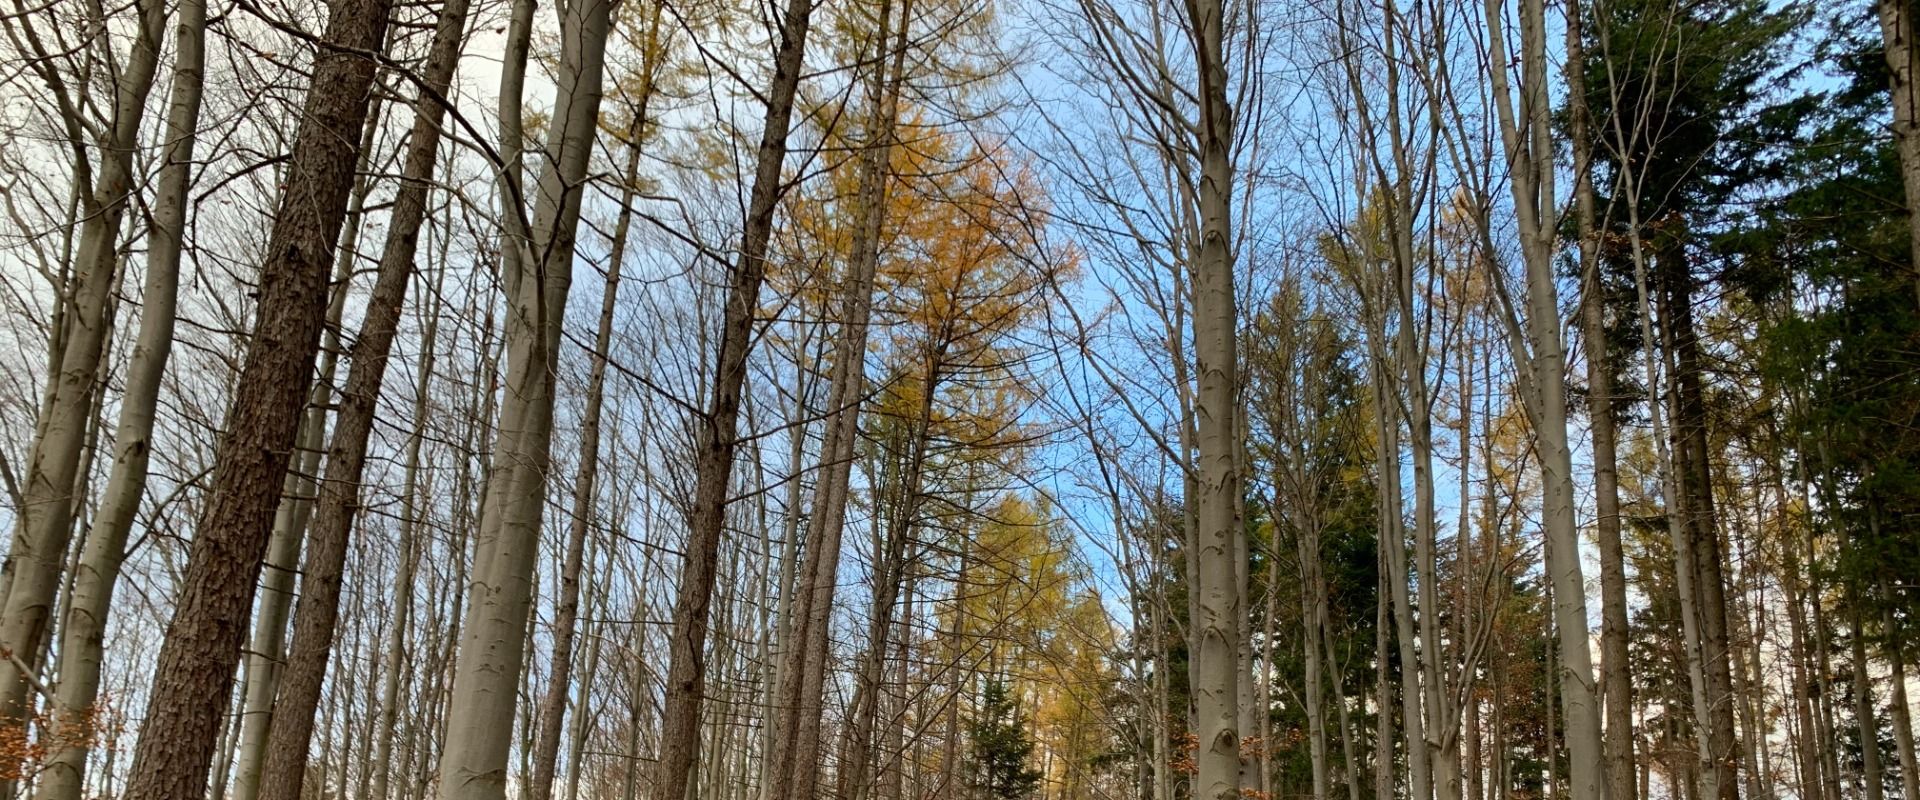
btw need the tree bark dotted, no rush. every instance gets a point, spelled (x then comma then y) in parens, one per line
(537, 274)
(196, 665)
(567, 606)
(1616, 671)
(798, 699)
(43, 529)
(1215, 665)
(686, 670)
(1541, 355)
(76, 717)
(338, 505)
(1897, 33)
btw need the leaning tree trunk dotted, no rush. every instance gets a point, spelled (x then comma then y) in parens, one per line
(338, 504)
(196, 665)
(83, 638)
(37, 560)
(538, 274)
(266, 651)
(713, 471)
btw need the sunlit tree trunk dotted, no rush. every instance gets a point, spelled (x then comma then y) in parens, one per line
(1527, 138)
(1617, 678)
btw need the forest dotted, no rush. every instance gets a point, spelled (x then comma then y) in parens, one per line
(959, 399)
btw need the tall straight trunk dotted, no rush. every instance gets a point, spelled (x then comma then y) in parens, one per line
(1393, 549)
(338, 503)
(1215, 666)
(905, 483)
(1690, 452)
(82, 642)
(1393, 384)
(1801, 684)
(537, 274)
(1616, 672)
(396, 673)
(1312, 604)
(1898, 708)
(576, 764)
(1542, 356)
(713, 470)
(36, 562)
(1898, 31)
(795, 758)
(196, 663)
(566, 614)
(1872, 774)
(1349, 735)
(1672, 481)
(1383, 771)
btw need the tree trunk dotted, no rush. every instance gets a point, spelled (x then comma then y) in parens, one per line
(686, 670)
(266, 652)
(1872, 776)
(1312, 603)
(37, 559)
(567, 606)
(1616, 675)
(397, 672)
(1542, 357)
(1897, 33)
(196, 664)
(82, 641)
(537, 274)
(338, 505)
(795, 759)
(1215, 673)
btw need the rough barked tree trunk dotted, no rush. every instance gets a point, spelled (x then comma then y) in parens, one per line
(196, 664)
(338, 504)
(266, 651)
(713, 470)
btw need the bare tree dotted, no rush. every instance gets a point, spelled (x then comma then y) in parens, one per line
(203, 641)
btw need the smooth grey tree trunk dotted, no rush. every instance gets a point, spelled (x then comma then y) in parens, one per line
(1541, 354)
(1215, 664)
(537, 274)
(567, 605)
(88, 611)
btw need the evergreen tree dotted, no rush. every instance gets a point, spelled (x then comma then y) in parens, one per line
(1002, 748)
